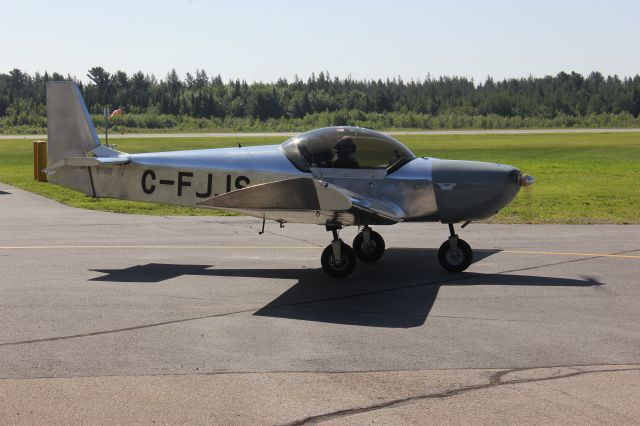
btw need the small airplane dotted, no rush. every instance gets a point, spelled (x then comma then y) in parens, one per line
(334, 176)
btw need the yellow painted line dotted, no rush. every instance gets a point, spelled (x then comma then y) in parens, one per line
(159, 247)
(562, 253)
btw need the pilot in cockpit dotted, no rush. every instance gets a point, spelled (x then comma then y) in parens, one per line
(345, 150)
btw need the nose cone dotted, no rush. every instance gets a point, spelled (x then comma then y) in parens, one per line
(471, 190)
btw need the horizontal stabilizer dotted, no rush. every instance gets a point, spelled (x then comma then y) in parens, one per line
(290, 194)
(95, 161)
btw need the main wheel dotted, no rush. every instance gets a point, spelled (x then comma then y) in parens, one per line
(456, 261)
(373, 252)
(342, 268)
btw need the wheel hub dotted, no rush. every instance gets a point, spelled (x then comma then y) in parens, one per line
(455, 257)
(369, 248)
(340, 263)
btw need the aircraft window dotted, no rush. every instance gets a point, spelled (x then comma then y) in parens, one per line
(346, 147)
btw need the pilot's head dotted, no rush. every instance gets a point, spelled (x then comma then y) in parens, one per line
(345, 146)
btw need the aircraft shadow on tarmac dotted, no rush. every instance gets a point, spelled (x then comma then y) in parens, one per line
(397, 292)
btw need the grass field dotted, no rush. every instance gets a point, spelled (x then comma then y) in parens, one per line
(580, 178)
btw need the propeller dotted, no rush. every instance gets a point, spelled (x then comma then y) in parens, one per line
(525, 181)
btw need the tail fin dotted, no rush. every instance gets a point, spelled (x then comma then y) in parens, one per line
(70, 130)
(71, 135)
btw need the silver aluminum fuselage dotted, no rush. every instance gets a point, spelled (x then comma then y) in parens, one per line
(425, 189)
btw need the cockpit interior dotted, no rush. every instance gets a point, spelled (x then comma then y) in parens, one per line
(346, 148)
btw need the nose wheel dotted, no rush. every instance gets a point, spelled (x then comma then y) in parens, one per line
(368, 245)
(455, 255)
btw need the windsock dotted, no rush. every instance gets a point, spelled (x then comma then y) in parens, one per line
(115, 112)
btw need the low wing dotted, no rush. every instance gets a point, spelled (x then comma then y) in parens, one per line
(289, 194)
(377, 211)
(305, 200)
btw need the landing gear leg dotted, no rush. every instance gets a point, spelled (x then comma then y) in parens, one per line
(455, 255)
(338, 259)
(368, 245)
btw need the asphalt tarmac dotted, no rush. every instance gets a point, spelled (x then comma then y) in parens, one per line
(108, 318)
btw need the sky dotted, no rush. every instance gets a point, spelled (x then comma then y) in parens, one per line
(266, 40)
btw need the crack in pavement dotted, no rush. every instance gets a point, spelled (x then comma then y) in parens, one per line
(494, 381)
(224, 372)
(118, 330)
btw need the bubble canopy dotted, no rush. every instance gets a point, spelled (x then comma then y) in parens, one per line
(346, 147)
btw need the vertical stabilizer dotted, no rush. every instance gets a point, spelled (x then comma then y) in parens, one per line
(70, 130)
(70, 134)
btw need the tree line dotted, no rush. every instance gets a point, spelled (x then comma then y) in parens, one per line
(200, 101)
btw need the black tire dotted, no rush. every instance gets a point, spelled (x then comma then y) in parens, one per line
(347, 261)
(455, 262)
(372, 253)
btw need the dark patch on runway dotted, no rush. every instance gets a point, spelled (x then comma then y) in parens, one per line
(4, 192)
